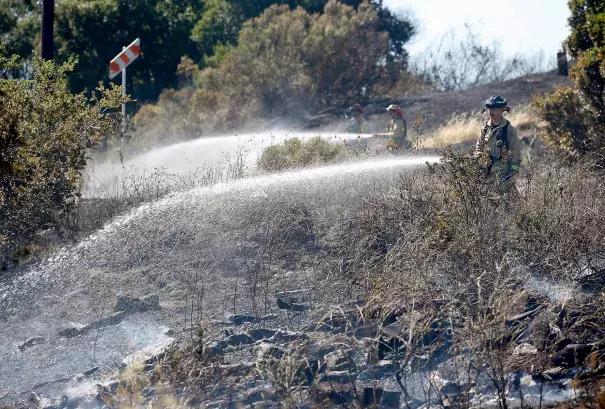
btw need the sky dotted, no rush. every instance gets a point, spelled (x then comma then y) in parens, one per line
(522, 26)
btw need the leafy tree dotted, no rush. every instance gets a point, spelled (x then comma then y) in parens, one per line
(222, 20)
(285, 62)
(45, 131)
(219, 25)
(95, 30)
(19, 28)
(575, 116)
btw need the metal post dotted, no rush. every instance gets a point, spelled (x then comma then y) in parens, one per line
(48, 17)
(123, 104)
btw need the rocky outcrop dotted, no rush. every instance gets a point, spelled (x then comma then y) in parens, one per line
(131, 305)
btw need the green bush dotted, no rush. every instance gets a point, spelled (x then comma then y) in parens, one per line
(285, 62)
(575, 116)
(294, 152)
(45, 131)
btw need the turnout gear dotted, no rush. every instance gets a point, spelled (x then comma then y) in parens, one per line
(503, 146)
(355, 124)
(397, 130)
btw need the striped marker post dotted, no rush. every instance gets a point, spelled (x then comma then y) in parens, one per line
(119, 64)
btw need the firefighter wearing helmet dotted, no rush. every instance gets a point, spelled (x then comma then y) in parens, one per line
(499, 143)
(355, 124)
(397, 129)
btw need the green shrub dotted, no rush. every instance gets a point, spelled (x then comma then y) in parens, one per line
(285, 62)
(294, 152)
(576, 116)
(45, 131)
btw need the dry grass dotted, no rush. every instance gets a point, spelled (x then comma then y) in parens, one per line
(441, 250)
(465, 128)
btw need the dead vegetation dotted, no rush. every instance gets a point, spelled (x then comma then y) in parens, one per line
(502, 294)
(464, 128)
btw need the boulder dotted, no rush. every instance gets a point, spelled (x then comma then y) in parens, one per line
(382, 370)
(339, 376)
(214, 350)
(237, 340)
(149, 354)
(524, 350)
(75, 331)
(131, 305)
(572, 355)
(259, 334)
(30, 342)
(335, 392)
(287, 336)
(242, 319)
(284, 305)
(340, 360)
(267, 350)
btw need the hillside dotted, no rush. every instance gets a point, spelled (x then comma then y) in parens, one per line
(438, 107)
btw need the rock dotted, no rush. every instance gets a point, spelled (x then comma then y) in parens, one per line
(527, 381)
(149, 354)
(366, 331)
(70, 332)
(132, 305)
(286, 336)
(340, 360)
(242, 369)
(454, 388)
(267, 350)
(321, 348)
(91, 371)
(381, 398)
(539, 331)
(112, 319)
(395, 330)
(572, 355)
(30, 342)
(63, 402)
(33, 399)
(79, 378)
(169, 332)
(382, 370)
(335, 323)
(214, 350)
(261, 333)
(46, 403)
(237, 340)
(242, 319)
(239, 319)
(559, 345)
(339, 377)
(284, 305)
(293, 296)
(555, 373)
(335, 392)
(525, 349)
(517, 319)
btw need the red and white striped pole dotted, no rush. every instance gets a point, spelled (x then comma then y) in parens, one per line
(123, 104)
(119, 63)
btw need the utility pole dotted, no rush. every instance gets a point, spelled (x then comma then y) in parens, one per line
(48, 20)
